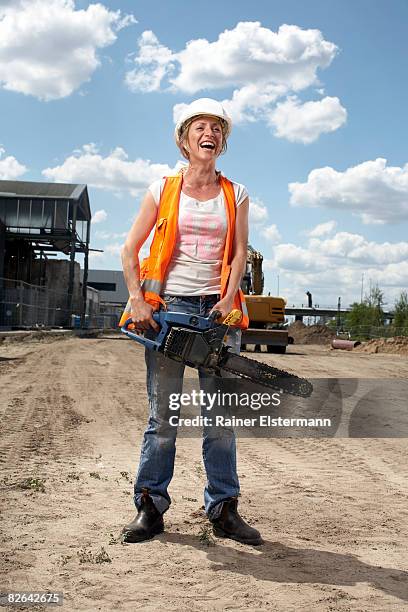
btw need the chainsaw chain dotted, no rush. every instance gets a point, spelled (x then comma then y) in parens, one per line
(265, 374)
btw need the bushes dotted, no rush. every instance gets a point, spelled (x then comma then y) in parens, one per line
(401, 314)
(366, 320)
(369, 313)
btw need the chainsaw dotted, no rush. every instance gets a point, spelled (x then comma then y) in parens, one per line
(199, 342)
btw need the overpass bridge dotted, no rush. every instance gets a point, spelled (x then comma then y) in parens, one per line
(322, 311)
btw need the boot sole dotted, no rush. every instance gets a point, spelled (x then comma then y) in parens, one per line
(220, 533)
(131, 538)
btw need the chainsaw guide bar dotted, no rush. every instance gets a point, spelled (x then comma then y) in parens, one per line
(266, 375)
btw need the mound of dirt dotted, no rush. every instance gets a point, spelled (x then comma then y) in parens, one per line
(310, 334)
(398, 345)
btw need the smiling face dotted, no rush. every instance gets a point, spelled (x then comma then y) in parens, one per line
(204, 138)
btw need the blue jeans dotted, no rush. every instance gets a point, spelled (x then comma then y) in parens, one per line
(165, 376)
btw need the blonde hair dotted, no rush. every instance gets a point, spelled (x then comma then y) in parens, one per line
(182, 145)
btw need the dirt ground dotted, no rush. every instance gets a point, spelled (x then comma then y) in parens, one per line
(333, 512)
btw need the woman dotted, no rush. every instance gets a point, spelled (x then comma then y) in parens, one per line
(196, 262)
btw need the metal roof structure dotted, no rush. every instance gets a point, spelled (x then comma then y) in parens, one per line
(35, 190)
(29, 190)
(50, 215)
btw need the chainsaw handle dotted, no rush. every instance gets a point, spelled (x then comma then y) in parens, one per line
(214, 315)
(152, 344)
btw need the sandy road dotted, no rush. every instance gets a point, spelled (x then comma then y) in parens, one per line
(333, 512)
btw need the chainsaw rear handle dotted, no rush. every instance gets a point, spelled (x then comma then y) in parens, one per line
(147, 342)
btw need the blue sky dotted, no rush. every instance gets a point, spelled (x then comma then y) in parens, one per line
(319, 111)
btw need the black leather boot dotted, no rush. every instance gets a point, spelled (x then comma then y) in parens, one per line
(230, 524)
(147, 523)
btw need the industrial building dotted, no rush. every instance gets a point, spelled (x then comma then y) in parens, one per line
(38, 221)
(113, 294)
(110, 284)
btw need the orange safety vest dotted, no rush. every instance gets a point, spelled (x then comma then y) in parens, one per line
(153, 268)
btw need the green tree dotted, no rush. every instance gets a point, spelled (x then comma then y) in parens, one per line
(366, 314)
(375, 300)
(358, 320)
(401, 314)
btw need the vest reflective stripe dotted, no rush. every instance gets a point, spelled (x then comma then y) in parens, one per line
(153, 268)
(149, 284)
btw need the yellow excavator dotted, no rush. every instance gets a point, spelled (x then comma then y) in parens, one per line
(266, 313)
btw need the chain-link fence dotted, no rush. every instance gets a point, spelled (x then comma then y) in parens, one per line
(368, 332)
(110, 314)
(26, 305)
(23, 305)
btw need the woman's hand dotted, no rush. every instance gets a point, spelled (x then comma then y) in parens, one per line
(224, 306)
(142, 314)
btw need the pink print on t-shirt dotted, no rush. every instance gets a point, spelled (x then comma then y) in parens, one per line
(201, 235)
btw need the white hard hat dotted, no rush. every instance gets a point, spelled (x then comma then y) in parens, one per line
(203, 106)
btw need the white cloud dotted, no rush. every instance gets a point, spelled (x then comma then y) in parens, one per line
(178, 110)
(322, 229)
(258, 213)
(10, 168)
(250, 53)
(376, 192)
(99, 216)
(258, 217)
(333, 267)
(293, 257)
(261, 66)
(111, 255)
(344, 281)
(152, 64)
(9, 5)
(355, 247)
(251, 102)
(114, 249)
(271, 233)
(299, 122)
(392, 275)
(95, 258)
(6, 4)
(342, 248)
(112, 173)
(48, 49)
(110, 235)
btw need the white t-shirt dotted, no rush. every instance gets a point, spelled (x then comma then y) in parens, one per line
(195, 267)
